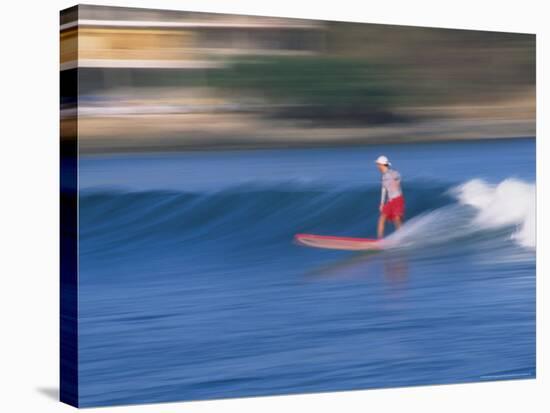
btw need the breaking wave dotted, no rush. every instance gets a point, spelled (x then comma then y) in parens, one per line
(255, 216)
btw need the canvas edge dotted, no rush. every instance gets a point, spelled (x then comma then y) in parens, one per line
(68, 128)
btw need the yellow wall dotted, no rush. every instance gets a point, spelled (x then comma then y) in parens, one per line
(126, 44)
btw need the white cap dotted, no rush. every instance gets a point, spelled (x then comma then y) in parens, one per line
(382, 160)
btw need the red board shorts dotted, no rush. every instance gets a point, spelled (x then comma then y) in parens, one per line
(394, 208)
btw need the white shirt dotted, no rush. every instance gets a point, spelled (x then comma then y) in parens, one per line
(391, 185)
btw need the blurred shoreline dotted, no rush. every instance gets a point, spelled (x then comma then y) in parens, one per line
(227, 131)
(135, 80)
(388, 135)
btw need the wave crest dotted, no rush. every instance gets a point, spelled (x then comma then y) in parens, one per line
(249, 217)
(510, 203)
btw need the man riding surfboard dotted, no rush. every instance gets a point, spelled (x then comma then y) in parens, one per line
(392, 208)
(392, 203)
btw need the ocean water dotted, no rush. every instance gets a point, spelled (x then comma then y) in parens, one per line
(191, 286)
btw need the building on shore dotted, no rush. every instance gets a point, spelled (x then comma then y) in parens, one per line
(115, 37)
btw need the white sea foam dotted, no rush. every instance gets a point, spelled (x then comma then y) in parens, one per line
(435, 227)
(510, 203)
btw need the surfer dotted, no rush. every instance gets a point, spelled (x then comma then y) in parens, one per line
(394, 208)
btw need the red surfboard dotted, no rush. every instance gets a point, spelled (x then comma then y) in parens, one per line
(338, 243)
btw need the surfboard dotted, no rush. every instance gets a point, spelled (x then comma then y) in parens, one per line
(338, 243)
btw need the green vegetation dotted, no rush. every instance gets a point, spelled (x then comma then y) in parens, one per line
(319, 88)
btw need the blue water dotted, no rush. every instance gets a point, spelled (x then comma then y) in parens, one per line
(191, 287)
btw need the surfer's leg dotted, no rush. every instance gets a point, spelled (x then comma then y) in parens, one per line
(397, 222)
(381, 225)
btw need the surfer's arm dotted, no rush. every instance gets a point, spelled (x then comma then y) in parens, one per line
(383, 197)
